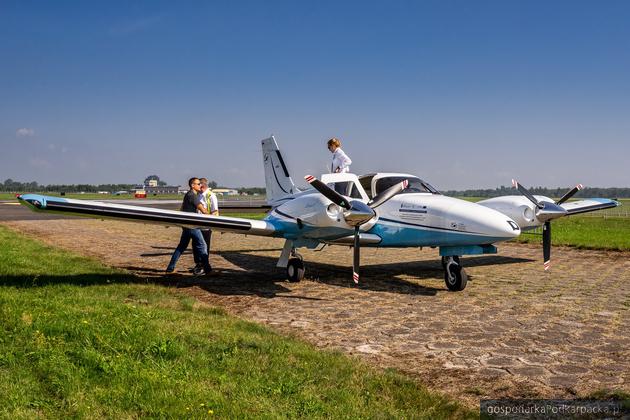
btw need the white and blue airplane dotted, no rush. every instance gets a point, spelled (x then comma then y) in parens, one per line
(374, 210)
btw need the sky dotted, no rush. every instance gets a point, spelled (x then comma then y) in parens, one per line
(464, 94)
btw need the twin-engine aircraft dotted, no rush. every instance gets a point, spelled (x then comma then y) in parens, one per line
(373, 210)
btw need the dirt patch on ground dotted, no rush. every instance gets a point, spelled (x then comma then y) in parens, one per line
(515, 331)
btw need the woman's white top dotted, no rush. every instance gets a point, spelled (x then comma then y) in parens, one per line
(340, 161)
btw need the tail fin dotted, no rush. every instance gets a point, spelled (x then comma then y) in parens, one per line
(277, 179)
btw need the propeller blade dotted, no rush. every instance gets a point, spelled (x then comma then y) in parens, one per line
(547, 245)
(382, 197)
(328, 192)
(526, 193)
(570, 193)
(356, 258)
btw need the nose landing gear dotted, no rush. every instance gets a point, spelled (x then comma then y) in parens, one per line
(454, 275)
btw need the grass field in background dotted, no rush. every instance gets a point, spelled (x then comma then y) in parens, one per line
(78, 339)
(586, 232)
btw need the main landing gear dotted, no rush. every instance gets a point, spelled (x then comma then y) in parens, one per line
(292, 261)
(295, 267)
(454, 275)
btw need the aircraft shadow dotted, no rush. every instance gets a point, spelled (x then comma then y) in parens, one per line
(376, 277)
(226, 282)
(189, 251)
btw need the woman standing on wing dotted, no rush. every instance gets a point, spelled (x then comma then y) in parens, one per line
(340, 161)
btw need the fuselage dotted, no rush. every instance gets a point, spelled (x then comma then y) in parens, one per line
(407, 220)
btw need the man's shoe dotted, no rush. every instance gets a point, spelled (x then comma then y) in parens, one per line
(198, 271)
(169, 270)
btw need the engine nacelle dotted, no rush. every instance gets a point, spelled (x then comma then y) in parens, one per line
(517, 208)
(317, 210)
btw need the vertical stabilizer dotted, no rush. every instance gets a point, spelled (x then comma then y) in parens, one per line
(277, 179)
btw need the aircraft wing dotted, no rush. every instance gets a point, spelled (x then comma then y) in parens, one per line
(100, 210)
(589, 204)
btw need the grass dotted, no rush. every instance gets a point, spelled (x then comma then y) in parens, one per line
(252, 215)
(587, 232)
(78, 339)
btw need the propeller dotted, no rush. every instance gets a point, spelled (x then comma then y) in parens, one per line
(382, 197)
(356, 212)
(328, 192)
(546, 212)
(570, 193)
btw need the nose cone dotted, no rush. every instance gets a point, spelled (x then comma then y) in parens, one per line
(358, 214)
(489, 222)
(505, 227)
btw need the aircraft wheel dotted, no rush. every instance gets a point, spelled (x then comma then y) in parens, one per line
(445, 260)
(295, 270)
(455, 277)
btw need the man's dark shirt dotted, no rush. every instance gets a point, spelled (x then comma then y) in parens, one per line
(189, 204)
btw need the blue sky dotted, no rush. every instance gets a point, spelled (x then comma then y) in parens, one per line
(464, 94)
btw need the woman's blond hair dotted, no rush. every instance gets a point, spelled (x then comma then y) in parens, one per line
(334, 142)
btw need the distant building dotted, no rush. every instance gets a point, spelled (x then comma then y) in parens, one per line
(224, 191)
(166, 189)
(152, 181)
(153, 186)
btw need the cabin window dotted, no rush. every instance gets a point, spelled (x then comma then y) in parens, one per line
(416, 185)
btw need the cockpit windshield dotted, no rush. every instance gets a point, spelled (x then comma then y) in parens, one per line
(416, 185)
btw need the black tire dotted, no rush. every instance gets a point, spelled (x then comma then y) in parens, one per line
(457, 278)
(295, 270)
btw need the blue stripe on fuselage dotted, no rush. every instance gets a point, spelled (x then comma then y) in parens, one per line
(393, 234)
(289, 229)
(402, 235)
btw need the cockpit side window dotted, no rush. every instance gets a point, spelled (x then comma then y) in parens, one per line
(366, 183)
(416, 185)
(347, 188)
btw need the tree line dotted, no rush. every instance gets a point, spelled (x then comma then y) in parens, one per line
(549, 192)
(10, 185)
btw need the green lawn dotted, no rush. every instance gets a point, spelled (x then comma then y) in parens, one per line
(587, 232)
(78, 339)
